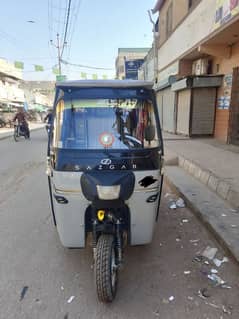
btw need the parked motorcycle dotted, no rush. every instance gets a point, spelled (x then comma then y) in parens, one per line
(2, 122)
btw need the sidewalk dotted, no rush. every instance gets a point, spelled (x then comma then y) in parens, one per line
(214, 164)
(206, 174)
(8, 132)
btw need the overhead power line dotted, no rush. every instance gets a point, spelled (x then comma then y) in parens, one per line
(75, 13)
(85, 66)
(66, 26)
(33, 71)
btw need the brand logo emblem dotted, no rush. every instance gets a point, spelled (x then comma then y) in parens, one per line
(106, 161)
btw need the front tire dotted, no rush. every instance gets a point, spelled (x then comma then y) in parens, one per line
(16, 135)
(106, 269)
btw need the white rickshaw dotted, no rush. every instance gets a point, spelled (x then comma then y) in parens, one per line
(104, 170)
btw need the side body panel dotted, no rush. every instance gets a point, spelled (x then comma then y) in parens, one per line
(70, 217)
(143, 211)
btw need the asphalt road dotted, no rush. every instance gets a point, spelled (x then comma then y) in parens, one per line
(31, 256)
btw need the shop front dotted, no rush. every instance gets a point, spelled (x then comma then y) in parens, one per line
(196, 101)
(227, 108)
(166, 107)
(166, 98)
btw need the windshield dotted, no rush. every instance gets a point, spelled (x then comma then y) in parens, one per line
(105, 123)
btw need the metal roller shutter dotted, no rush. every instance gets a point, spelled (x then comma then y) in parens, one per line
(183, 112)
(203, 111)
(169, 110)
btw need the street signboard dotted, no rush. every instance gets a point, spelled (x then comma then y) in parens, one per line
(131, 68)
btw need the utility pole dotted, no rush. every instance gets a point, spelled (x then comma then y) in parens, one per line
(57, 45)
(155, 48)
(58, 50)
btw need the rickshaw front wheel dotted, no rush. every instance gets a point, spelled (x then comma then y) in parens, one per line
(106, 271)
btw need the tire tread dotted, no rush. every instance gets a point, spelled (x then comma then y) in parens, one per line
(103, 268)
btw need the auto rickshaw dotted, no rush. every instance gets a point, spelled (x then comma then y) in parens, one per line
(104, 167)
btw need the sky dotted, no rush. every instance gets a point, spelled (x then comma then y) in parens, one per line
(97, 29)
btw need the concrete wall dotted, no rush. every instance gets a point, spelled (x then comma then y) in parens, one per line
(225, 67)
(146, 72)
(9, 83)
(9, 69)
(185, 68)
(180, 9)
(163, 21)
(40, 92)
(150, 71)
(10, 92)
(165, 74)
(141, 73)
(196, 26)
(42, 99)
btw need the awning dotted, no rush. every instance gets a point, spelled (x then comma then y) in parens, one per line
(197, 82)
(163, 84)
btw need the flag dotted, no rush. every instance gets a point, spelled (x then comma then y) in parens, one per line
(83, 75)
(94, 76)
(61, 78)
(19, 65)
(38, 68)
(55, 70)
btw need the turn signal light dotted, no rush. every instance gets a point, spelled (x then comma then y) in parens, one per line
(100, 215)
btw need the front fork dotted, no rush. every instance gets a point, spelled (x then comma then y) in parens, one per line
(118, 239)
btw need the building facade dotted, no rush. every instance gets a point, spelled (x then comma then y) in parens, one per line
(146, 71)
(39, 95)
(128, 62)
(198, 67)
(11, 95)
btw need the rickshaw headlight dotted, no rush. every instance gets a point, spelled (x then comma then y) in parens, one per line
(108, 192)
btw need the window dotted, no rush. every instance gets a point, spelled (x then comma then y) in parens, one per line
(169, 20)
(127, 123)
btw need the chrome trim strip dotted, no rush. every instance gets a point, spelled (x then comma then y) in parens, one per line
(64, 191)
(77, 191)
(143, 190)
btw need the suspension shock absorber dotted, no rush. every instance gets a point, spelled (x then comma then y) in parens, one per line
(119, 242)
(94, 237)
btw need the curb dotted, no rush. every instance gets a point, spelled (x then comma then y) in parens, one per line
(8, 136)
(201, 217)
(217, 184)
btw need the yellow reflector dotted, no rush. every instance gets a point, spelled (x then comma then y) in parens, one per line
(101, 215)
